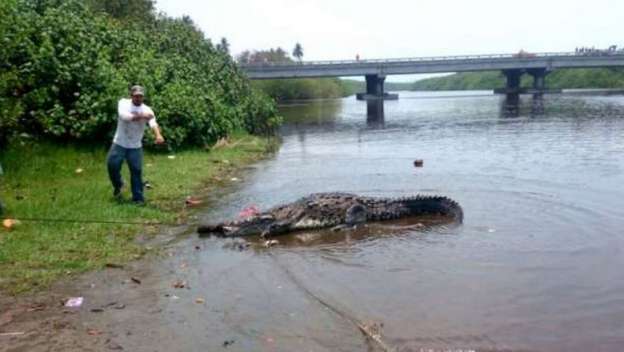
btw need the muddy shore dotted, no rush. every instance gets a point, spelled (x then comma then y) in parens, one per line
(178, 302)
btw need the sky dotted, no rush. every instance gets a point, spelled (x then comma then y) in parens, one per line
(342, 29)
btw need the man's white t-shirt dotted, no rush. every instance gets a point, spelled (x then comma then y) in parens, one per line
(130, 133)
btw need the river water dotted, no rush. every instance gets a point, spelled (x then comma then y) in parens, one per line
(537, 265)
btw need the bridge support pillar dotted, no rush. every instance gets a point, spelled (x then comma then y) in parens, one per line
(375, 89)
(511, 91)
(512, 84)
(374, 85)
(539, 80)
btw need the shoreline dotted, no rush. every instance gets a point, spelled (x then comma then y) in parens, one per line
(36, 254)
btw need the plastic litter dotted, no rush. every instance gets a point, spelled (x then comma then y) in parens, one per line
(192, 202)
(94, 332)
(271, 243)
(180, 284)
(9, 224)
(74, 302)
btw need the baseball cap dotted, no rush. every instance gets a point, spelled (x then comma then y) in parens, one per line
(137, 90)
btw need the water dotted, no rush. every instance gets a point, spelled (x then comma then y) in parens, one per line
(536, 265)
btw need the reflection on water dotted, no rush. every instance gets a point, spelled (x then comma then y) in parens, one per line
(537, 107)
(344, 237)
(511, 105)
(536, 265)
(375, 113)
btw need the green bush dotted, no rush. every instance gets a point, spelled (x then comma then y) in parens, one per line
(64, 65)
(304, 88)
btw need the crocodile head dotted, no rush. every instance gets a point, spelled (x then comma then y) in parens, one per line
(356, 214)
(254, 225)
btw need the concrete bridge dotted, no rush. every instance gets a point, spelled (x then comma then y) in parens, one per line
(513, 66)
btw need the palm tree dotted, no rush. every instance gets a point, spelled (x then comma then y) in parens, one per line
(298, 52)
(224, 46)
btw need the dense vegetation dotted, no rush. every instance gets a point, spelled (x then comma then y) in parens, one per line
(564, 79)
(304, 88)
(65, 63)
(292, 89)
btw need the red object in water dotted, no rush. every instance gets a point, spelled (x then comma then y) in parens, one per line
(249, 211)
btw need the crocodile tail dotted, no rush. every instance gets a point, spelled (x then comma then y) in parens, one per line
(434, 204)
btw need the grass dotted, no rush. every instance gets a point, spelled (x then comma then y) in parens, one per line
(45, 180)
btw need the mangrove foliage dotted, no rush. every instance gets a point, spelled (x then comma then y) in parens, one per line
(65, 63)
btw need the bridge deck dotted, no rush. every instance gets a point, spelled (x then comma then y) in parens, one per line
(383, 67)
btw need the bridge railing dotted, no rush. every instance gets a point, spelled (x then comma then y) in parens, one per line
(428, 59)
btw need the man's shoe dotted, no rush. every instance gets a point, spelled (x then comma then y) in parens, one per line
(139, 203)
(117, 192)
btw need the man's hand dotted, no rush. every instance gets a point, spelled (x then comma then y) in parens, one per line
(158, 135)
(141, 116)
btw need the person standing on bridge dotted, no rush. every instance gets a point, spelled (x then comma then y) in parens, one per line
(132, 117)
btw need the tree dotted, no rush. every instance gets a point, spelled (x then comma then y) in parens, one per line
(298, 52)
(243, 58)
(142, 10)
(63, 66)
(224, 46)
(263, 56)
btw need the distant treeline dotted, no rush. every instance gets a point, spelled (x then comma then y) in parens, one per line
(561, 79)
(304, 88)
(315, 88)
(292, 89)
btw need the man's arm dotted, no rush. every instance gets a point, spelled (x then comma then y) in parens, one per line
(123, 110)
(151, 121)
(159, 137)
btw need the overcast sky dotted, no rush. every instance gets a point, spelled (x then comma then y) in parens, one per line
(340, 29)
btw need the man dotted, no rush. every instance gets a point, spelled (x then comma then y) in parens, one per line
(132, 117)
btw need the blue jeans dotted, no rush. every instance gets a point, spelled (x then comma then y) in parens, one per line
(134, 157)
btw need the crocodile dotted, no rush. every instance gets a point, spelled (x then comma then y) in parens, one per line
(332, 210)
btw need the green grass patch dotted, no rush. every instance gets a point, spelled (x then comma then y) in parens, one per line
(45, 180)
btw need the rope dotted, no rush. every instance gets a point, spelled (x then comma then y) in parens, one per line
(365, 329)
(89, 221)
